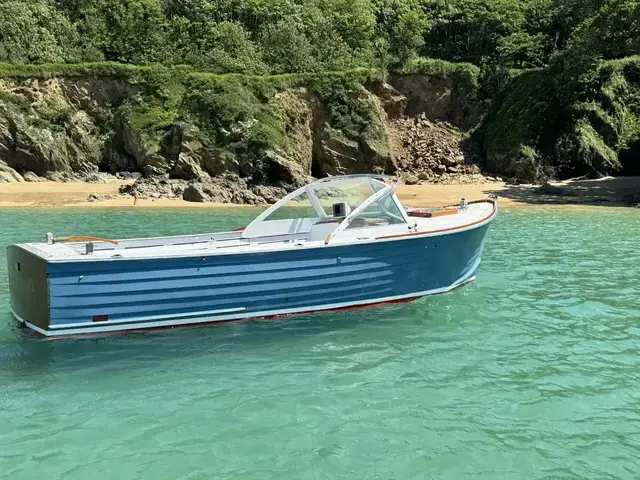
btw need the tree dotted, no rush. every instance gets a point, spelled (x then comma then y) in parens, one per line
(35, 32)
(522, 49)
(286, 47)
(222, 47)
(400, 30)
(614, 32)
(469, 30)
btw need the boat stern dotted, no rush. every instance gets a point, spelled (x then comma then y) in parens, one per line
(28, 288)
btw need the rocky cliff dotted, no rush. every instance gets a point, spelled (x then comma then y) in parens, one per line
(231, 138)
(249, 139)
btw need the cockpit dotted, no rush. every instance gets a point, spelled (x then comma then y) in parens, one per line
(332, 205)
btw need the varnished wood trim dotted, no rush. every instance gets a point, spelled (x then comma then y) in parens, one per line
(472, 202)
(28, 286)
(84, 238)
(438, 213)
(448, 229)
(239, 229)
(330, 220)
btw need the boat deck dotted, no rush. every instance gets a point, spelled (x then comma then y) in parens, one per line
(427, 222)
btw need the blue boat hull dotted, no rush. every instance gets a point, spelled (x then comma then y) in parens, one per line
(104, 296)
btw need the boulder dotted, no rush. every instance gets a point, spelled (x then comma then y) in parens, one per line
(128, 175)
(247, 197)
(195, 193)
(218, 192)
(452, 169)
(94, 178)
(424, 176)
(450, 161)
(155, 187)
(269, 194)
(441, 169)
(217, 163)
(154, 164)
(55, 176)
(29, 176)
(6, 177)
(8, 174)
(548, 189)
(282, 169)
(411, 180)
(188, 168)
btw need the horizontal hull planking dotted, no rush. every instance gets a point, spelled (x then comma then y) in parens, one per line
(132, 294)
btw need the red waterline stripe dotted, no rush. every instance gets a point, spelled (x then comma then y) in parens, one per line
(221, 322)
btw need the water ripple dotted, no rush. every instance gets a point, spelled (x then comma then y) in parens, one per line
(532, 373)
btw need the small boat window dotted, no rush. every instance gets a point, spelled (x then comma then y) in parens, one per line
(380, 213)
(297, 207)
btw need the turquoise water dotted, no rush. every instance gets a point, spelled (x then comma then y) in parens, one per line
(533, 372)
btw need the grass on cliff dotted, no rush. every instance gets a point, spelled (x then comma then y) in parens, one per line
(463, 75)
(571, 138)
(98, 69)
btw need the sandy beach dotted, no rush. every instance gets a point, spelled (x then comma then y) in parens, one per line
(608, 191)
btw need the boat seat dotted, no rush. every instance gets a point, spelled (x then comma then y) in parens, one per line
(321, 229)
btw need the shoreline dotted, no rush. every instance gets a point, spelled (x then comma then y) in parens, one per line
(606, 192)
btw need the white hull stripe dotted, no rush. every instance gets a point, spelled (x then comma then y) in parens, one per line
(156, 318)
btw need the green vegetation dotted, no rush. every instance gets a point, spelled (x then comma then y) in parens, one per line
(569, 134)
(464, 75)
(555, 81)
(293, 36)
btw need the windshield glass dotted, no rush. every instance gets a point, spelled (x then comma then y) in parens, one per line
(336, 199)
(297, 207)
(382, 212)
(352, 192)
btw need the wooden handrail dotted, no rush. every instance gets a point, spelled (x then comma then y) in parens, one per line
(436, 213)
(82, 238)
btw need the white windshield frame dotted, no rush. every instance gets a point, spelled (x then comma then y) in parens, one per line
(336, 181)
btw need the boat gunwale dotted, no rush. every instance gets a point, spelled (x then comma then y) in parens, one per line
(320, 244)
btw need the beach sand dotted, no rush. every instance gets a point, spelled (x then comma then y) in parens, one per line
(608, 191)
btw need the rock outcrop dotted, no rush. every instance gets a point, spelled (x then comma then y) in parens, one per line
(8, 174)
(229, 142)
(433, 152)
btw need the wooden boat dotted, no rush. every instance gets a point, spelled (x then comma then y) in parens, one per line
(337, 243)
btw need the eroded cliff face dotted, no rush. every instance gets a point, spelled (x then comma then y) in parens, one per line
(231, 140)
